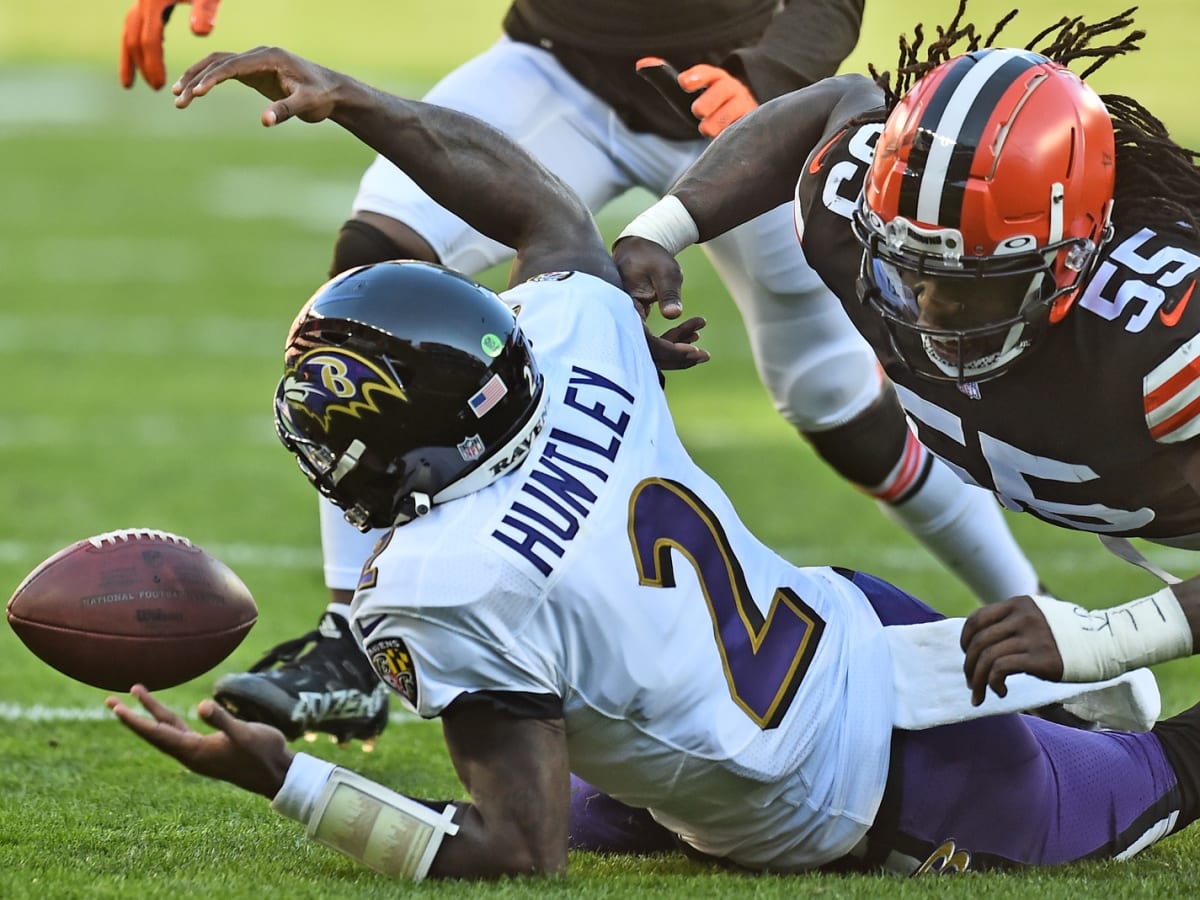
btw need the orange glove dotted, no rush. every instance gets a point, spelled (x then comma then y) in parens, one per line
(724, 101)
(142, 40)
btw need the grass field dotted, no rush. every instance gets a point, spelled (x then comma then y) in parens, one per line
(150, 262)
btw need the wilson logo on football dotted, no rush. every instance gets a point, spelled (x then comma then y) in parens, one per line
(328, 382)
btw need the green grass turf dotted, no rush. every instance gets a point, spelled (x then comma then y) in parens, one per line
(150, 261)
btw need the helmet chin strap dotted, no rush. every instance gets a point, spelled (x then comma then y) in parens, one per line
(347, 461)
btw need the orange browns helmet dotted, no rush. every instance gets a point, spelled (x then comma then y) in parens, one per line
(998, 162)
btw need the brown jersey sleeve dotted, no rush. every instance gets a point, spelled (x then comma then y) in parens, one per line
(807, 41)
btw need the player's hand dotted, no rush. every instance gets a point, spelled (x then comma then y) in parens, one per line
(649, 275)
(1005, 638)
(250, 755)
(300, 89)
(676, 347)
(142, 39)
(724, 101)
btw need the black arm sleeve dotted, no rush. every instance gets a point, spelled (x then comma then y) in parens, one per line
(520, 704)
(807, 41)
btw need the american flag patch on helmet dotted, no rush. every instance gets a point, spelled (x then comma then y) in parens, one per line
(491, 394)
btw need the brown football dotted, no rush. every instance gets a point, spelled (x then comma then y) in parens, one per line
(132, 606)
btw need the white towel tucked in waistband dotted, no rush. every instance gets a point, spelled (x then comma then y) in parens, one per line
(927, 664)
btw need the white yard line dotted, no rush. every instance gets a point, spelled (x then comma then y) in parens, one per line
(893, 557)
(38, 712)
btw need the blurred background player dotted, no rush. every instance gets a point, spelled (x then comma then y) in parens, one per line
(1022, 254)
(563, 82)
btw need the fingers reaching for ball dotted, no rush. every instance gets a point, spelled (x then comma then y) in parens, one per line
(250, 755)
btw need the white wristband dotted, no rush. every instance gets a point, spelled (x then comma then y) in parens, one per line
(667, 223)
(305, 779)
(1099, 644)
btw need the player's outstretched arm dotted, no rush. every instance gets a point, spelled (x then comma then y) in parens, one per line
(1060, 641)
(142, 37)
(755, 163)
(515, 769)
(467, 166)
(751, 168)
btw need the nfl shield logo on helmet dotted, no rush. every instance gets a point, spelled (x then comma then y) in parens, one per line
(471, 448)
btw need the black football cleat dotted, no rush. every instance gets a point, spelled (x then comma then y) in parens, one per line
(331, 688)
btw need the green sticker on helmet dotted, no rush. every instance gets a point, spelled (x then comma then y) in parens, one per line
(492, 345)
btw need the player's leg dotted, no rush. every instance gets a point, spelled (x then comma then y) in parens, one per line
(1018, 791)
(322, 681)
(1180, 739)
(825, 380)
(600, 824)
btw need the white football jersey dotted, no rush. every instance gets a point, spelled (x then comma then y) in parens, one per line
(744, 701)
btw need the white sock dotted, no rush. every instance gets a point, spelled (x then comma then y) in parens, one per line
(963, 527)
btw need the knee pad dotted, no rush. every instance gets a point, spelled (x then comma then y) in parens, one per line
(817, 388)
(818, 369)
(361, 244)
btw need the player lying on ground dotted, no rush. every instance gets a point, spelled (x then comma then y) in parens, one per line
(1006, 241)
(568, 592)
(562, 81)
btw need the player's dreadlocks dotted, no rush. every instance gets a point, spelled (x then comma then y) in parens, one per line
(1158, 181)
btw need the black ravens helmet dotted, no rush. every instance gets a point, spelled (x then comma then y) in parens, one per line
(405, 385)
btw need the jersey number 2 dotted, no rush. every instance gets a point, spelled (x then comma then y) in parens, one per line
(765, 659)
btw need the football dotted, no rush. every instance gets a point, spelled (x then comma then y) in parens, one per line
(132, 606)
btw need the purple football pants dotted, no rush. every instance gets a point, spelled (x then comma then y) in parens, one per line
(995, 792)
